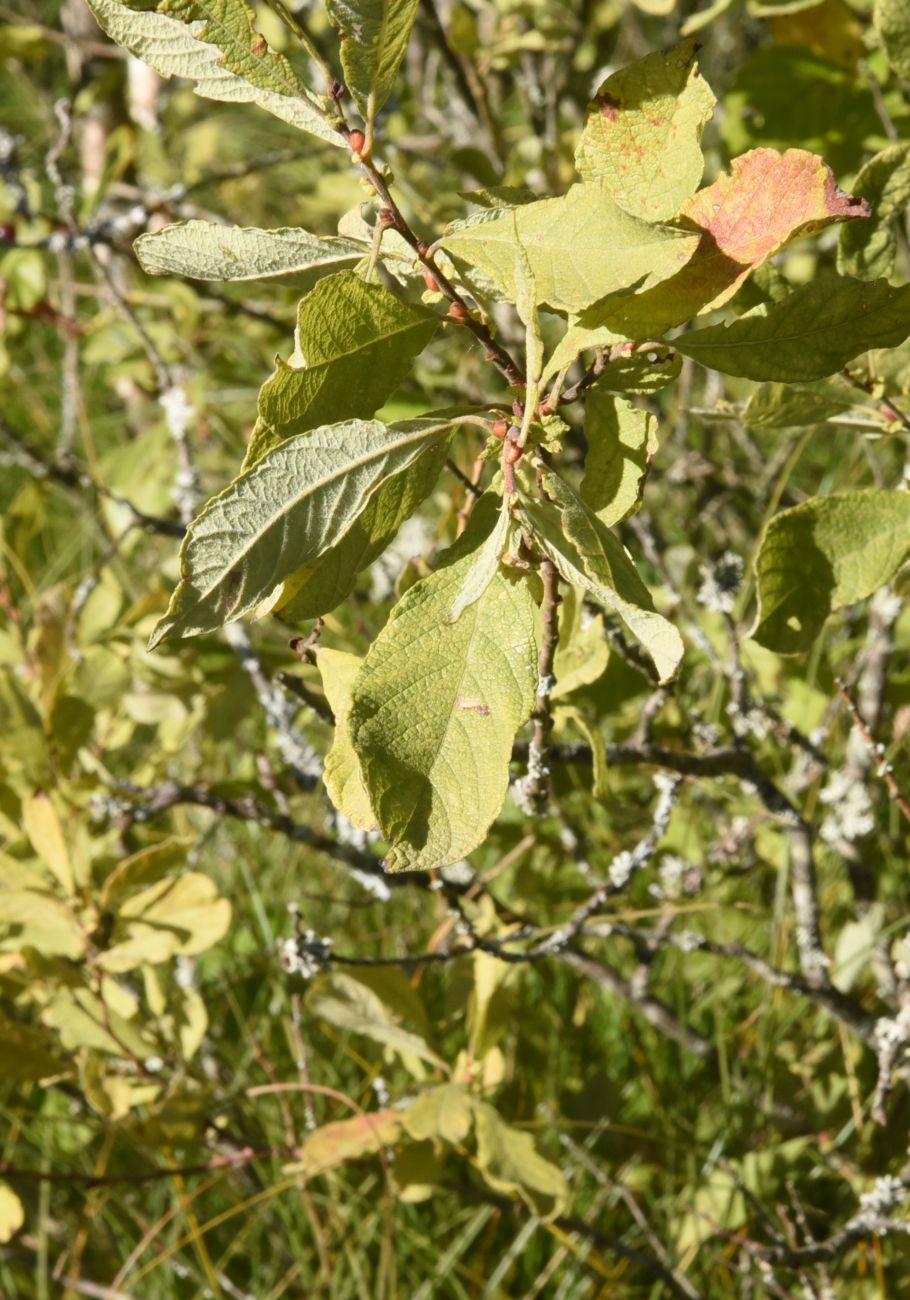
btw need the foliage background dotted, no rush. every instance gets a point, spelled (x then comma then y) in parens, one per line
(699, 1112)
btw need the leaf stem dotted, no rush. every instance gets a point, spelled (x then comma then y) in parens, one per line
(537, 782)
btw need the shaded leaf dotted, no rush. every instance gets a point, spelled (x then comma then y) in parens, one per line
(786, 406)
(355, 344)
(869, 248)
(810, 335)
(822, 555)
(27, 1052)
(642, 134)
(348, 1004)
(141, 868)
(435, 710)
(622, 442)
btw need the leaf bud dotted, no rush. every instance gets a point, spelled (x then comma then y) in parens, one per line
(458, 311)
(431, 282)
(512, 452)
(356, 139)
(499, 429)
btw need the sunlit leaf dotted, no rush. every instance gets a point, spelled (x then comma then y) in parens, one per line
(767, 200)
(580, 247)
(588, 555)
(203, 250)
(822, 555)
(175, 49)
(642, 134)
(511, 1163)
(376, 34)
(296, 502)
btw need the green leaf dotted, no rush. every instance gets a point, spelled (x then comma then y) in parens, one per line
(202, 250)
(20, 723)
(810, 335)
(484, 567)
(511, 1163)
(786, 406)
(435, 711)
(296, 502)
(183, 914)
(41, 921)
(142, 868)
(43, 827)
(892, 23)
(12, 1214)
(318, 588)
(27, 1052)
(588, 555)
(376, 38)
(229, 24)
(642, 134)
(580, 247)
(355, 344)
(174, 49)
(348, 1004)
(869, 248)
(822, 555)
(442, 1113)
(581, 652)
(341, 774)
(622, 442)
(593, 734)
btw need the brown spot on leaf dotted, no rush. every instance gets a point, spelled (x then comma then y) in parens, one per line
(468, 705)
(609, 106)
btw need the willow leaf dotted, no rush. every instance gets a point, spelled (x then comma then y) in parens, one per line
(588, 555)
(809, 335)
(376, 38)
(202, 250)
(355, 344)
(296, 502)
(175, 49)
(435, 711)
(824, 554)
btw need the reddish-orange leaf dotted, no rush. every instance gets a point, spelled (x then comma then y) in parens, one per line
(767, 200)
